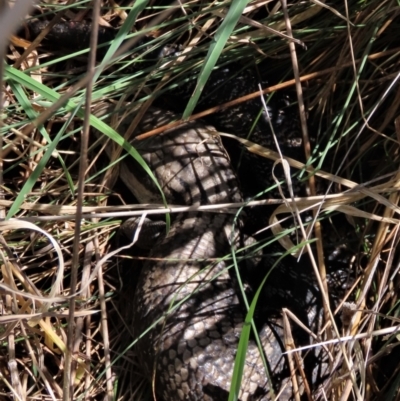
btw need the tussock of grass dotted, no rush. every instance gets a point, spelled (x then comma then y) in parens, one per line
(347, 61)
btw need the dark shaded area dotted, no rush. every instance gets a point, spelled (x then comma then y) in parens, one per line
(68, 34)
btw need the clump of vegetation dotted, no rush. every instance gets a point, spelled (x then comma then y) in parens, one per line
(60, 291)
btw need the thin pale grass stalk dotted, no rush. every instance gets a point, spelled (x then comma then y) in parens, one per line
(87, 321)
(288, 314)
(358, 336)
(10, 305)
(311, 181)
(332, 201)
(289, 344)
(15, 317)
(393, 238)
(104, 319)
(104, 330)
(10, 387)
(104, 324)
(50, 387)
(71, 354)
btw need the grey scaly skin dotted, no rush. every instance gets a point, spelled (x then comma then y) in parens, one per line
(186, 290)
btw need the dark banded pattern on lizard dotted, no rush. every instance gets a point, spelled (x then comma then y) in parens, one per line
(187, 291)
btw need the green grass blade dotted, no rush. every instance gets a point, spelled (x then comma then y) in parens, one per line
(217, 45)
(30, 182)
(12, 74)
(32, 115)
(243, 344)
(125, 29)
(244, 340)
